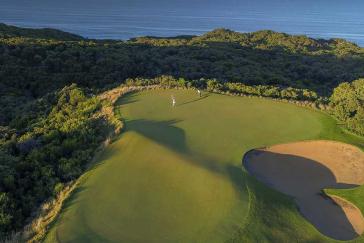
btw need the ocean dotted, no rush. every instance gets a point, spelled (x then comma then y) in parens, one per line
(124, 19)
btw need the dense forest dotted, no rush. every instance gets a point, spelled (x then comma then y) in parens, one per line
(47, 145)
(49, 79)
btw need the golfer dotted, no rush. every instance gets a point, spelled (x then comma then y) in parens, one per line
(173, 101)
(199, 92)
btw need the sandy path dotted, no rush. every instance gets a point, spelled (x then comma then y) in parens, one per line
(303, 169)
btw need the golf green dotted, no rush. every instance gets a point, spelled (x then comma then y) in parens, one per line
(175, 174)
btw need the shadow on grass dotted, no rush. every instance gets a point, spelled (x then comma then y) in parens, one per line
(168, 135)
(128, 98)
(71, 200)
(90, 236)
(195, 100)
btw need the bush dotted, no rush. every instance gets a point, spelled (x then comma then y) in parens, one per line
(347, 103)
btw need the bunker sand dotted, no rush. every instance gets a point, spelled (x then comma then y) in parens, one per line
(303, 169)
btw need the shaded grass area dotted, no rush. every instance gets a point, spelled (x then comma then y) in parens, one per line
(353, 195)
(175, 174)
(274, 217)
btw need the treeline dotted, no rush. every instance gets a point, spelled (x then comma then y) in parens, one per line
(32, 67)
(264, 91)
(44, 147)
(263, 40)
(214, 85)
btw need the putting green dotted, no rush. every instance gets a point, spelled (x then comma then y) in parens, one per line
(175, 174)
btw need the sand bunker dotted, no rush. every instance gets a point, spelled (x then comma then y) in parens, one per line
(303, 169)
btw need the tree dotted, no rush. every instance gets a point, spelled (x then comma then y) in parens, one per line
(347, 101)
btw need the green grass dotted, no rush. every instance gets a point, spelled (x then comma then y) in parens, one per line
(353, 195)
(175, 174)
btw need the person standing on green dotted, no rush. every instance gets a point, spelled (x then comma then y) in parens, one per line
(173, 101)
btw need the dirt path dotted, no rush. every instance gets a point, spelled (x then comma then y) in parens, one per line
(303, 169)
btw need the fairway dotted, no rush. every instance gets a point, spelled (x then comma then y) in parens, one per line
(175, 174)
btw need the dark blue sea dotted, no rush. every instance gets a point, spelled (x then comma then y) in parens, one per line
(123, 19)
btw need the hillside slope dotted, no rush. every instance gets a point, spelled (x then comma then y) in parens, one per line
(43, 33)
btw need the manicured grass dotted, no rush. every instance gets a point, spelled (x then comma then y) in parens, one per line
(175, 174)
(354, 195)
